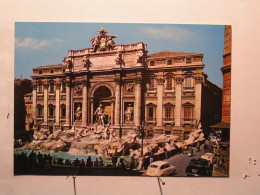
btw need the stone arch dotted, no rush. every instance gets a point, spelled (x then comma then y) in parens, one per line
(96, 86)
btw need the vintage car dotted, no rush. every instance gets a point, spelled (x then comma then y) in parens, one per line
(198, 167)
(208, 156)
(160, 168)
(197, 170)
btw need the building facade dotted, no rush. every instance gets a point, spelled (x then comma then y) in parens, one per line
(122, 86)
(226, 70)
(22, 86)
(28, 108)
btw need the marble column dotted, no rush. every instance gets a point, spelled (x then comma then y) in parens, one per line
(117, 102)
(92, 111)
(159, 112)
(178, 95)
(45, 108)
(68, 103)
(84, 103)
(57, 109)
(34, 102)
(137, 106)
(198, 90)
(112, 112)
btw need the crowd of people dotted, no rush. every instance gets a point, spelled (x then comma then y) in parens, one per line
(23, 162)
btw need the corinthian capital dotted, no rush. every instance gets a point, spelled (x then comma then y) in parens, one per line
(179, 80)
(198, 79)
(160, 81)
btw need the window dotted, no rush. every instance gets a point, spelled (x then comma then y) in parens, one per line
(188, 82)
(151, 63)
(40, 71)
(169, 83)
(51, 110)
(52, 71)
(187, 112)
(151, 84)
(188, 60)
(63, 87)
(63, 110)
(150, 112)
(51, 87)
(40, 88)
(169, 62)
(168, 113)
(39, 110)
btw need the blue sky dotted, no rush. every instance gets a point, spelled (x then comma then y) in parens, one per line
(38, 44)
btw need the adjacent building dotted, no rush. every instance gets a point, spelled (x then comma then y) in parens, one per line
(123, 86)
(22, 86)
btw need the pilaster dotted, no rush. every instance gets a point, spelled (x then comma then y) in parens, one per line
(177, 110)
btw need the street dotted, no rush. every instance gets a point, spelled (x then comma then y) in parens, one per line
(181, 161)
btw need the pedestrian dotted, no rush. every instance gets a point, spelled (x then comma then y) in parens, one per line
(89, 165)
(82, 168)
(96, 163)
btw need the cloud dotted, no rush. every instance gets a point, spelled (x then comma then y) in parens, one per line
(30, 43)
(167, 33)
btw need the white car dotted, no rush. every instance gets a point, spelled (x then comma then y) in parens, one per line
(160, 168)
(208, 156)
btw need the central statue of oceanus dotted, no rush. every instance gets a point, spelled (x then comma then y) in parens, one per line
(100, 115)
(103, 41)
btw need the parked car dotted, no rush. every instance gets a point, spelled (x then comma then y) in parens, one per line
(208, 156)
(160, 168)
(198, 167)
(197, 170)
(199, 161)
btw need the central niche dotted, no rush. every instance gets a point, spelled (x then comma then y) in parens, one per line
(102, 96)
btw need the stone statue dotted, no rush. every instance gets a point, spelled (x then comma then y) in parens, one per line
(118, 59)
(95, 43)
(100, 114)
(103, 41)
(69, 64)
(129, 114)
(78, 90)
(140, 55)
(86, 62)
(78, 113)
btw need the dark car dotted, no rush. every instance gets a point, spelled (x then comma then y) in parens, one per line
(197, 170)
(198, 167)
(199, 161)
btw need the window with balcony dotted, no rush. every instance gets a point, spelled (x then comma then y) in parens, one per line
(51, 111)
(151, 84)
(63, 110)
(40, 88)
(63, 87)
(168, 112)
(51, 87)
(168, 83)
(39, 110)
(151, 113)
(188, 82)
(188, 113)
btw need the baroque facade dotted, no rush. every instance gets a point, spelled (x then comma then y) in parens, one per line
(120, 85)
